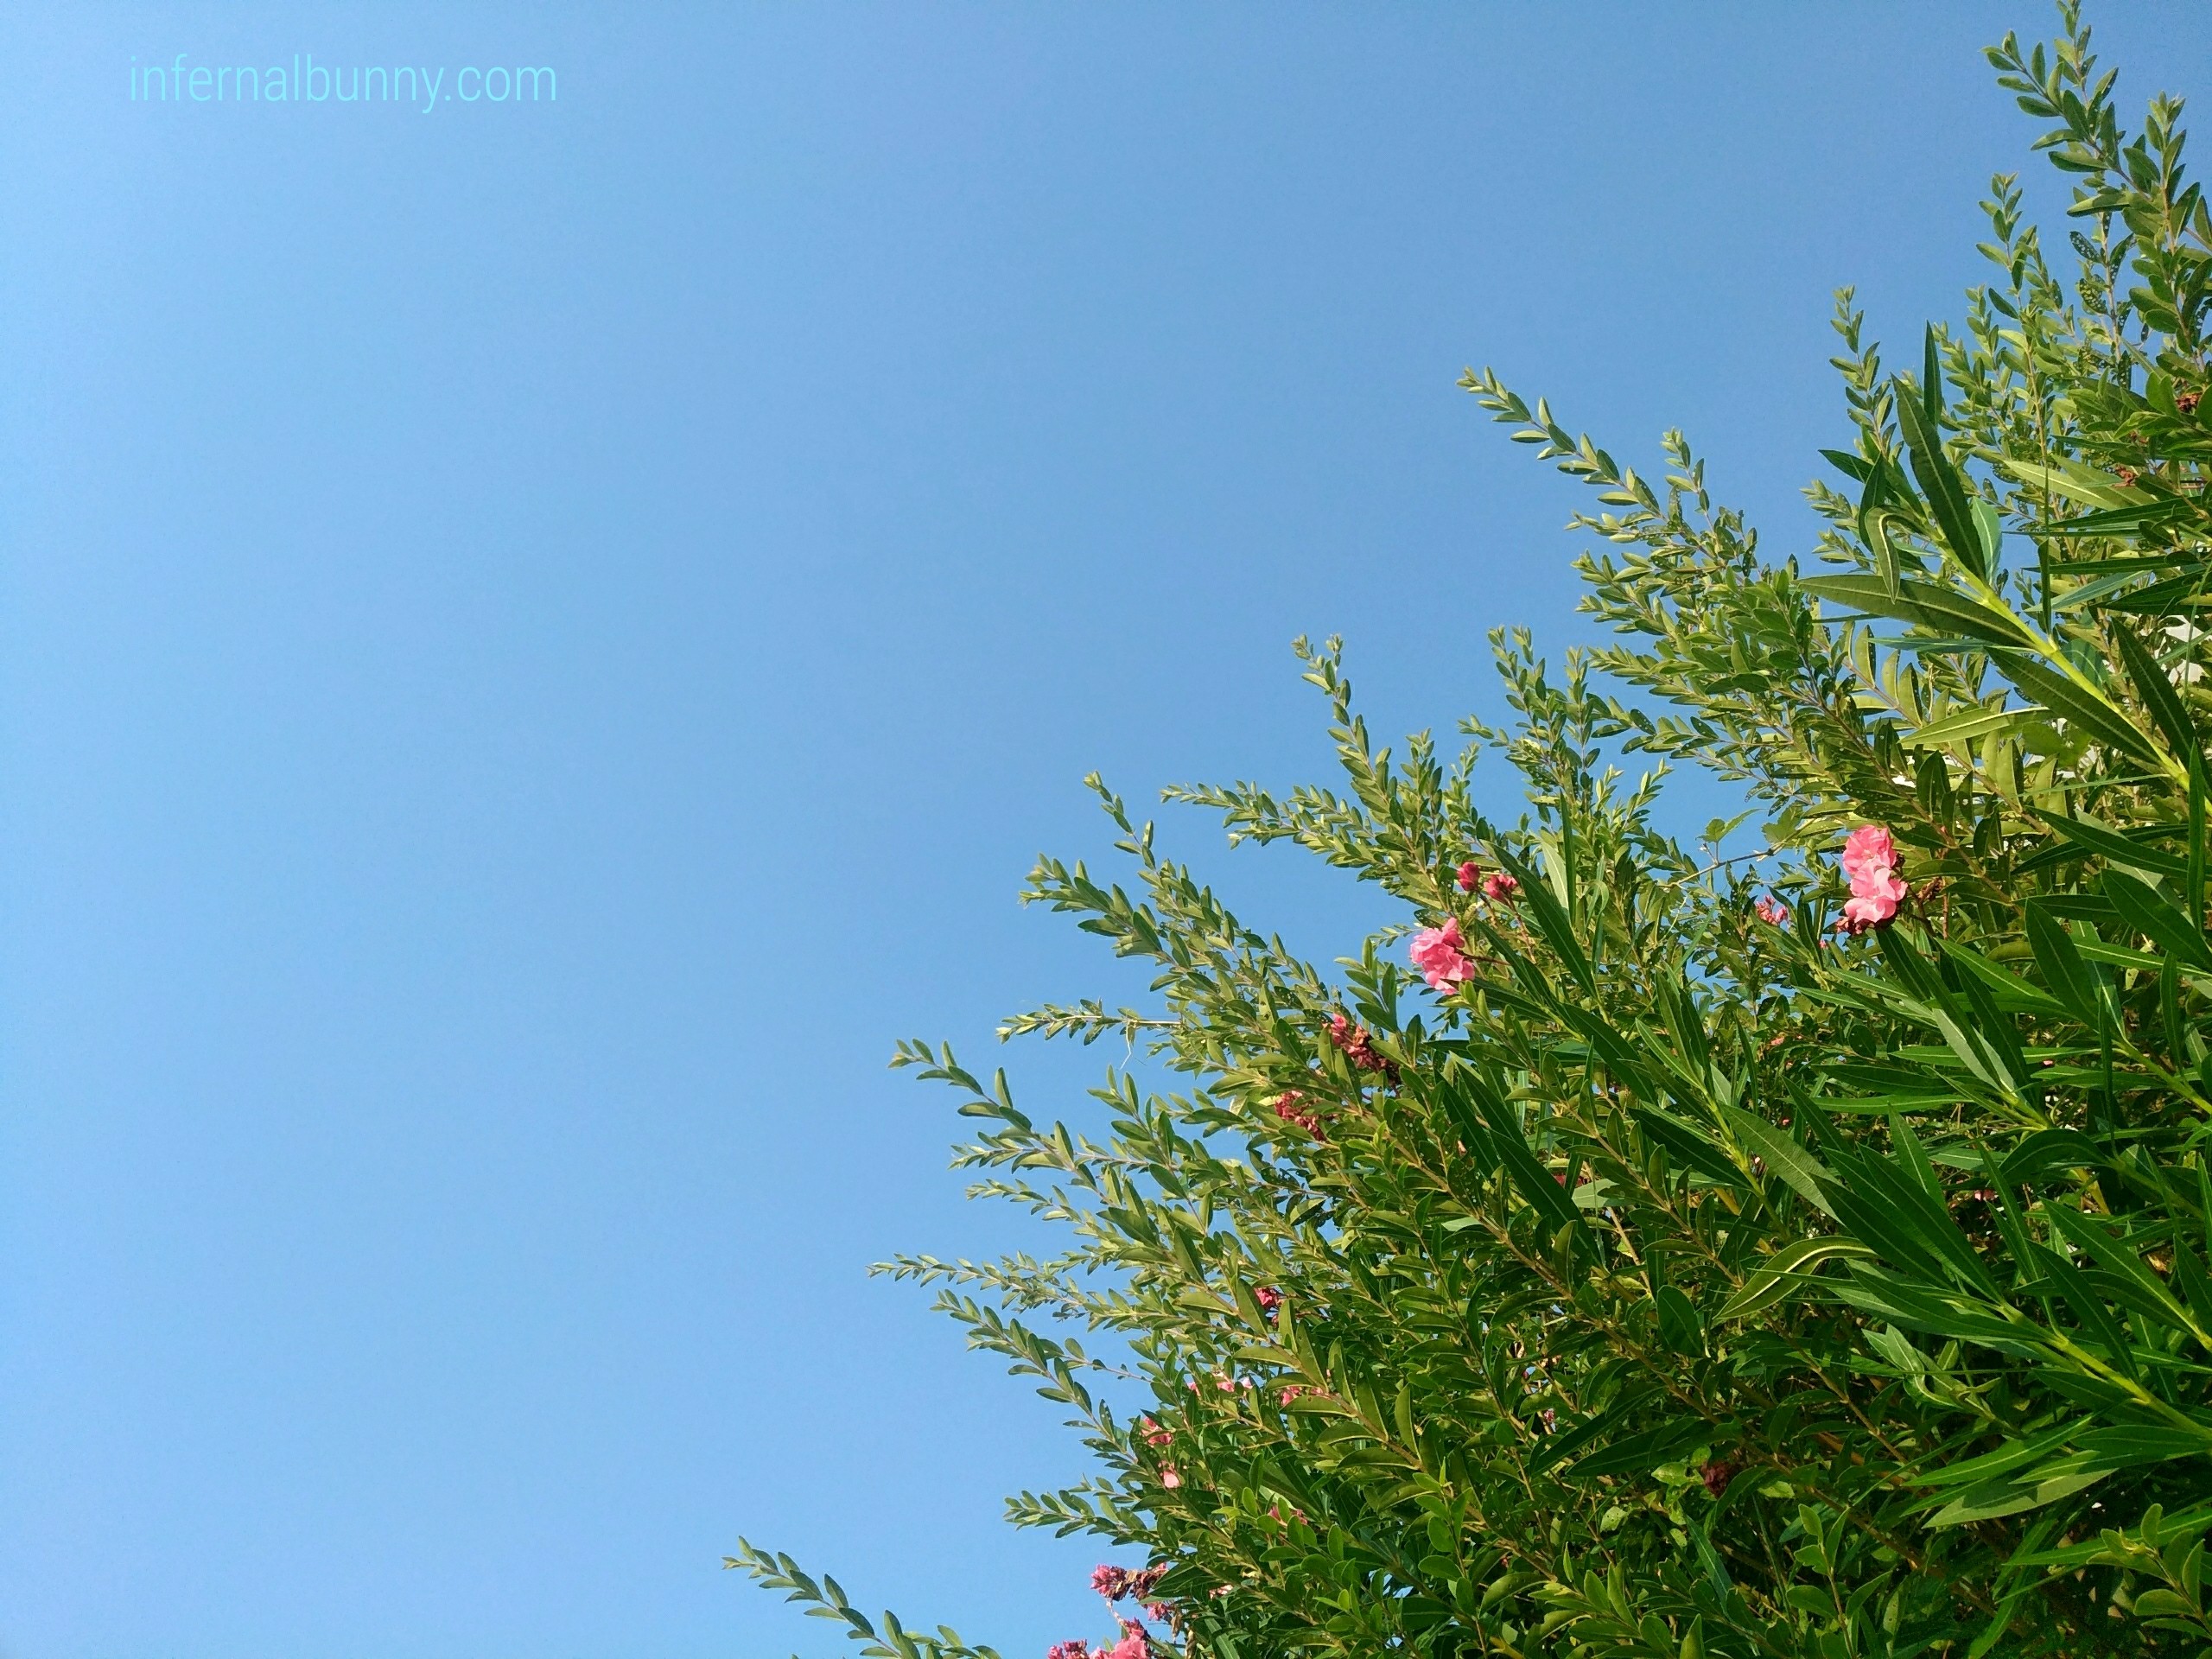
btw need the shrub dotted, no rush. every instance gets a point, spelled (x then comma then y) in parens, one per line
(1657, 1255)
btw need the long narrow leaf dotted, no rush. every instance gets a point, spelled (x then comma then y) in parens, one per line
(1782, 1154)
(1942, 610)
(2097, 717)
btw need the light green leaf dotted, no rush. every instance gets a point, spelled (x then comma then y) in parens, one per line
(1782, 1154)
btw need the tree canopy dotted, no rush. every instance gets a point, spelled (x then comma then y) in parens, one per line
(1639, 1252)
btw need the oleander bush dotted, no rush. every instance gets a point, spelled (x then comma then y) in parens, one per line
(1636, 1252)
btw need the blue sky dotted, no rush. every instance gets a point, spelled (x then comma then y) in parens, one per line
(537, 640)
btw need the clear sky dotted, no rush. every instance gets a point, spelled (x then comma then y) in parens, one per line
(535, 639)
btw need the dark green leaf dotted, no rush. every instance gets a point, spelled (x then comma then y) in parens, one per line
(2144, 909)
(1949, 497)
(2155, 691)
(2071, 979)
(2115, 845)
(1943, 610)
(2097, 717)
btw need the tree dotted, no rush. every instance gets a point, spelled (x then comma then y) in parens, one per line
(1655, 1255)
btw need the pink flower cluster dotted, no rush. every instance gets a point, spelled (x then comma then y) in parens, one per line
(1268, 1298)
(1440, 954)
(1353, 1043)
(1134, 1644)
(1222, 1380)
(1291, 1107)
(1870, 861)
(1496, 887)
(1772, 910)
(1115, 1582)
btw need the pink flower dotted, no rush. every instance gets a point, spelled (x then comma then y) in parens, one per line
(1500, 887)
(1436, 952)
(1164, 1611)
(1068, 1650)
(1168, 1478)
(1869, 854)
(1772, 911)
(1268, 1298)
(1154, 1433)
(1884, 888)
(1292, 1391)
(1861, 912)
(1468, 876)
(1110, 1581)
(1870, 859)
(1133, 1644)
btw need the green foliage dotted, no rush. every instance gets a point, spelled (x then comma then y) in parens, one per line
(1685, 1282)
